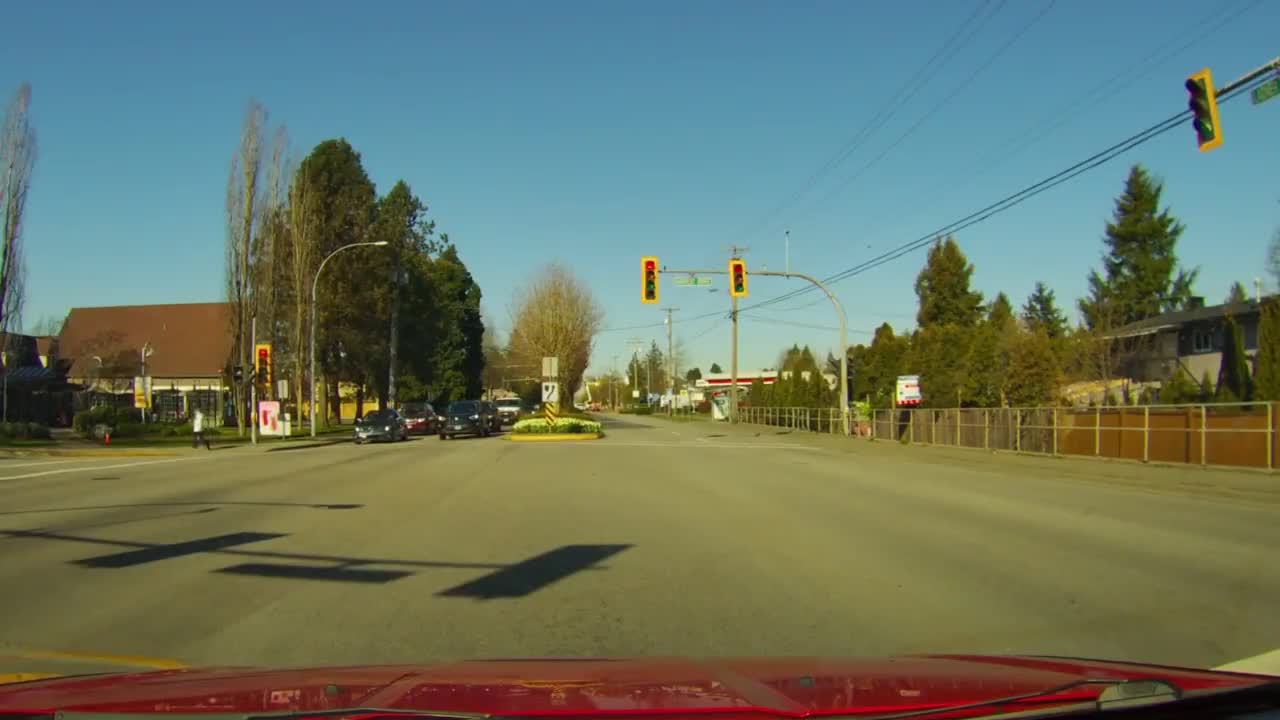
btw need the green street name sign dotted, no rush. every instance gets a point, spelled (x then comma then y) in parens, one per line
(693, 280)
(1266, 91)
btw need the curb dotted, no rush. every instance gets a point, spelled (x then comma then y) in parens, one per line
(553, 437)
(87, 452)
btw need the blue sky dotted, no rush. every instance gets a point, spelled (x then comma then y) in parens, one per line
(594, 133)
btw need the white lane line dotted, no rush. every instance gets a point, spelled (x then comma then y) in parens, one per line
(685, 445)
(5, 465)
(92, 467)
(1267, 663)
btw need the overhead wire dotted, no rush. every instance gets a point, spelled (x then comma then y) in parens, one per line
(1008, 202)
(937, 107)
(905, 92)
(1005, 150)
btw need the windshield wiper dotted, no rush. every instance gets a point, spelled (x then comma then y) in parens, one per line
(1119, 694)
(1130, 692)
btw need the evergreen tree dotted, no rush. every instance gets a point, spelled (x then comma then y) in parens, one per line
(1267, 372)
(1179, 388)
(885, 360)
(1033, 370)
(1041, 312)
(1206, 387)
(715, 368)
(1141, 277)
(1235, 383)
(943, 288)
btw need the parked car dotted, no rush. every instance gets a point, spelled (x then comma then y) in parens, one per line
(495, 420)
(420, 418)
(381, 425)
(509, 409)
(468, 417)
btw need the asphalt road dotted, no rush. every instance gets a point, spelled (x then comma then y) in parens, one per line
(663, 538)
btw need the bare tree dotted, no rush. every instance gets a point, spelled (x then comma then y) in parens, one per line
(17, 159)
(556, 316)
(242, 196)
(301, 262)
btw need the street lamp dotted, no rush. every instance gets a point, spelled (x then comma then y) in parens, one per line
(314, 283)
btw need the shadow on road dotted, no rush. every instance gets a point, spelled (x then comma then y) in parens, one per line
(207, 503)
(535, 573)
(506, 580)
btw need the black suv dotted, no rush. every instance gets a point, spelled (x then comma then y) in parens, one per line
(468, 417)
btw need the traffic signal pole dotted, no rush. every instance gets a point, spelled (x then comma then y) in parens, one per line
(844, 335)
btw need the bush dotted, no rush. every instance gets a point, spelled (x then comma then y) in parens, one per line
(24, 431)
(561, 425)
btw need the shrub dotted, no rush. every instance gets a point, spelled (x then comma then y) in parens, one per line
(561, 425)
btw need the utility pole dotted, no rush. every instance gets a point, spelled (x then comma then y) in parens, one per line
(734, 252)
(671, 361)
(253, 383)
(395, 325)
(635, 344)
(615, 383)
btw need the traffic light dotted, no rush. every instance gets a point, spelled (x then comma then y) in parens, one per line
(649, 279)
(1204, 109)
(237, 374)
(738, 278)
(263, 351)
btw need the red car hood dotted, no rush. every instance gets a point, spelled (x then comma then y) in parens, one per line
(796, 687)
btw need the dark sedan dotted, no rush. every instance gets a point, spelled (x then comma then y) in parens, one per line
(381, 425)
(467, 417)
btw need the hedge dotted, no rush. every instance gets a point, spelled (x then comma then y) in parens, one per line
(561, 425)
(24, 431)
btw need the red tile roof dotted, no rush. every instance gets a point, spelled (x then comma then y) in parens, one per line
(188, 339)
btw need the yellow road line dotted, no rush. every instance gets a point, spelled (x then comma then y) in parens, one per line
(142, 660)
(25, 677)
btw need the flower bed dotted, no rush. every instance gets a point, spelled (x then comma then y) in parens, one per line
(566, 425)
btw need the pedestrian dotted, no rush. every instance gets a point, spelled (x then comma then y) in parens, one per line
(197, 430)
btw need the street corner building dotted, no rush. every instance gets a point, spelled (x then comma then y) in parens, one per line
(187, 348)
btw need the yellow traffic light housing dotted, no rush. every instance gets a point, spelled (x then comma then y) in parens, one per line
(738, 278)
(263, 365)
(1204, 109)
(649, 280)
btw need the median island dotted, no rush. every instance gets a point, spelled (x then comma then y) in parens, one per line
(564, 428)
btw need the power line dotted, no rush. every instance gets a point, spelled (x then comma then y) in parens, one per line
(1201, 30)
(1008, 202)
(906, 91)
(946, 100)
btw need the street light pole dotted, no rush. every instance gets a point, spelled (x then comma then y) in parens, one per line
(315, 282)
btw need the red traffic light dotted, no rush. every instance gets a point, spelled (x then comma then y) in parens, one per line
(263, 353)
(650, 264)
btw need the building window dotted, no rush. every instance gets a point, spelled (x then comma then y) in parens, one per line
(166, 405)
(1202, 340)
(207, 401)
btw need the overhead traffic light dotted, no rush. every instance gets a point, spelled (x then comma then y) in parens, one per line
(649, 279)
(263, 352)
(1204, 110)
(738, 278)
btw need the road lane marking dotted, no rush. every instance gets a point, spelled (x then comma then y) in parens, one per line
(18, 677)
(1267, 663)
(141, 660)
(42, 462)
(43, 473)
(706, 445)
